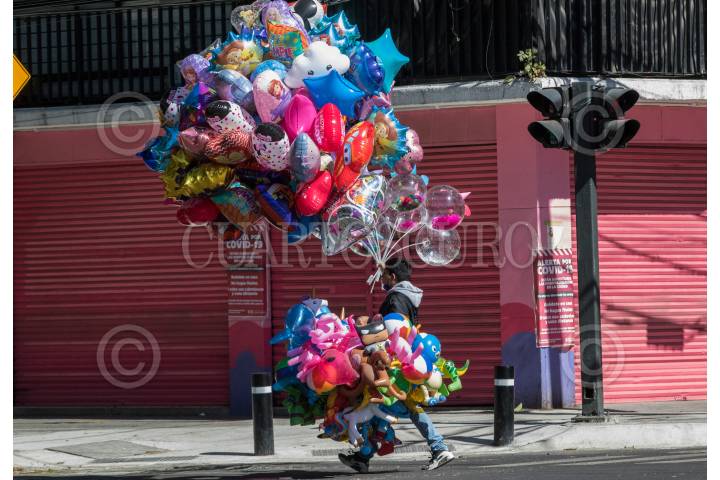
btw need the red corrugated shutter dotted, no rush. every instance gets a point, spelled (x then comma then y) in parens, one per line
(652, 239)
(461, 303)
(95, 249)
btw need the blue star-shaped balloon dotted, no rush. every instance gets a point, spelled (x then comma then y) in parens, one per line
(392, 60)
(333, 88)
(345, 28)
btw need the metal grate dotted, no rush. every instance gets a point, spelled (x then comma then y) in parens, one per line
(83, 57)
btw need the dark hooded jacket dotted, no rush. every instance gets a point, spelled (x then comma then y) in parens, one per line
(403, 298)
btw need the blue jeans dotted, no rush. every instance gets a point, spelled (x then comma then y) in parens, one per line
(426, 428)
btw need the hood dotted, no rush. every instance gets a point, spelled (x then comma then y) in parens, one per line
(409, 290)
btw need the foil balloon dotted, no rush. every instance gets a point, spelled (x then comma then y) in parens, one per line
(318, 60)
(205, 179)
(241, 52)
(344, 27)
(273, 65)
(276, 203)
(271, 96)
(407, 162)
(253, 174)
(390, 141)
(445, 207)
(304, 158)
(178, 166)
(357, 151)
(346, 224)
(197, 212)
(302, 229)
(333, 88)
(311, 12)
(230, 148)
(392, 60)
(366, 70)
(271, 146)
(156, 154)
(169, 109)
(237, 203)
(405, 193)
(224, 116)
(368, 104)
(233, 86)
(194, 104)
(247, 17)
(437, 247)
(287, 37)
(329, 129)
(368, 191)
(193, 69)
(313, 196)
(194, 139)
(299, 116)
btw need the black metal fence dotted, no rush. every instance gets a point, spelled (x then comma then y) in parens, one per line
(84, 57)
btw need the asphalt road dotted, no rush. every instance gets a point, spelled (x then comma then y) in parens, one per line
(683, 464)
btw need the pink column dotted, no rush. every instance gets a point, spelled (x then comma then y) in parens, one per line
(534, 212)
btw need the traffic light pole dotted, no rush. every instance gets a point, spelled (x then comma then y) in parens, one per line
(586, 229)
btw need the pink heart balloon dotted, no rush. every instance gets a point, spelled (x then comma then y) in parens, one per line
(299, 116)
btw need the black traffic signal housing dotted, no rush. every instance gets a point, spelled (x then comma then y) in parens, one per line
(617, 131)
(554, 104)
(583, 117)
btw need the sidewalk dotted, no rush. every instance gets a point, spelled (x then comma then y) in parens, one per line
(119, 445)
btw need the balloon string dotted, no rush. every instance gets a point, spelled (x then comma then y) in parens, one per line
(406, 247)
(390, 251)
(390, 244)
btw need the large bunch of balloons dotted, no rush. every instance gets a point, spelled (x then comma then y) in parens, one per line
(289, 119)
(358, 376)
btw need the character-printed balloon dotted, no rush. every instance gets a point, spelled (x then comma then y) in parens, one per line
(241, 52)
(357, 151)
(237, 203)
(286, 34)
(277, 203)
(271, 95)
(271, 146)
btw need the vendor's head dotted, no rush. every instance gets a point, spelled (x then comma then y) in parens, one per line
(396, 270)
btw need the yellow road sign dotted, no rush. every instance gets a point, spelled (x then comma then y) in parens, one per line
(20, 76)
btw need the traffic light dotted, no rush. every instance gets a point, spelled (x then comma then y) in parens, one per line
(616, 130)
(583, 117)
(554, 104)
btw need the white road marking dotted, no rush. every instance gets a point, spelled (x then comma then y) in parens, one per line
(636, 459)
(546, 462)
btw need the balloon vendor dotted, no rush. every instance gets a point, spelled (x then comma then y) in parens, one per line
(288, 120)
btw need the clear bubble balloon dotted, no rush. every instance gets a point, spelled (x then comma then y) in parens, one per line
(405, 193)
(437, 247)
(445, 206)
(407, 221)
